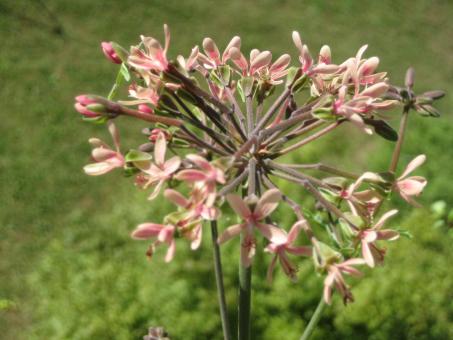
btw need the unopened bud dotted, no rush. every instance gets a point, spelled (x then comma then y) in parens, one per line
(110, 52)
(409, 80)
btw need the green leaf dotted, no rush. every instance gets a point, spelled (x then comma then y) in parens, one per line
(137, 156)
(125, 72)
(96, 120)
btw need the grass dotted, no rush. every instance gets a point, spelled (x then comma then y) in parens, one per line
(65, 246)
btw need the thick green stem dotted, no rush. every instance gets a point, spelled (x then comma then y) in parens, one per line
(314, 320)
(219, 281)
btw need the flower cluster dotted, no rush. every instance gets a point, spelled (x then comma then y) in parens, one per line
(218, 117)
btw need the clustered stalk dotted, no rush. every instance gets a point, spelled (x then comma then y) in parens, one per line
(217, 116)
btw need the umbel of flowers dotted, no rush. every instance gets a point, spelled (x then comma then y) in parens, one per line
(215, 127)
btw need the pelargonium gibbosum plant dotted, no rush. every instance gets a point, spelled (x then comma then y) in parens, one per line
(214, 134)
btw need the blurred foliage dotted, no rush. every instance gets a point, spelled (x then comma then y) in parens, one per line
(68, 267)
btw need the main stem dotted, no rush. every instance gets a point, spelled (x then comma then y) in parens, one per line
(219, 281)
(314, 320)
(245, 273)
(399, 143)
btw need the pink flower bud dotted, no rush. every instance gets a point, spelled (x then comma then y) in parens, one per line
(145, 108)
(81, 106)
(110, 53)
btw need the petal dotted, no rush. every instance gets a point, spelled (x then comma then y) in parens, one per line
(115, 134)
(156, 190)
(176, 198)
(388, 234)
(271, 268)
(366, 253)
(414, 164)
(172, 165)
(375, 90)
(272, 233)
(160, 147)
(384, 218)
(267, 203)
(171, 251)
(238, 205)
(96, 169)
(369, 236)
(295, 230)
(147, 230)
(200, 162)
(229, 233)
(411, 186)
(195, 244)
(191, 175)
(102, 154)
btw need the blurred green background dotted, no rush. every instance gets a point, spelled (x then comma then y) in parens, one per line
(68, 269)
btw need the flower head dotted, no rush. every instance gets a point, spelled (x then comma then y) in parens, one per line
(411, 186)
(106, 159)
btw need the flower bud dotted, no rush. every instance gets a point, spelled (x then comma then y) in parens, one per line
(409, 80)
(145, 108)
(87, 106)
(437, 94)
(325, 55)
(110, 52)
(155, 133)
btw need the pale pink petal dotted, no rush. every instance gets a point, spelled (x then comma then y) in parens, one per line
(360, 53)
(176, 198)
(295, 230)
(369, 236)
(102, 154)
(235, 42)
(97, 169)
(267, 203)
(297, 41)
(353, 262)
(411, 186)
(238, 205)
(272, 233)
(171, 251)
(384, 218)
(375, 90)
(366, 253)
(156, 190)
(172, 165)
(229, 233)
(160, 147)
(328, 282)
(147, 230)
(368, 67)
(115, 134)
(197, 231)
(191, 175)
(414, 164)
(200, 162)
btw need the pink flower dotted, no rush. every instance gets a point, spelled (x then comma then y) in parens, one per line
(370, 252)
(212, 58)
(252, 219)
(154, 57)
(81, 104)
(285, 245)
(106, 159)
(351, 109)
(110, 53)
(258, 60)
(206, 177)
(195, 210)
(162, 233)
(411, 186)
(161, 170)
(308, 67)
(361, 72)
(335, 279)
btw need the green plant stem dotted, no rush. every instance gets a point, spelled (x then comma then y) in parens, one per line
(245, 292)
(314, 320)
(399, 143)
(219, 281)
